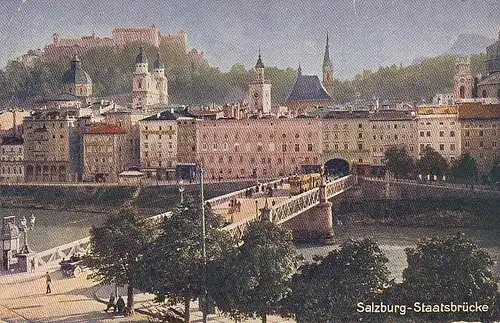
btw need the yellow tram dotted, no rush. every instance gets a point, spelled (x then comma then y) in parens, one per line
(303, 182)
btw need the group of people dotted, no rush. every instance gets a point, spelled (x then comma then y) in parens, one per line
(119, 306)
(234, 206)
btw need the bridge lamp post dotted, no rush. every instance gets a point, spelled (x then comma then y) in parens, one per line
(181, 188)
(203, 246)
(25, 228)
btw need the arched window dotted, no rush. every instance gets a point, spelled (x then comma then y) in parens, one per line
(498, 94)
(139, 84)
(485, 94)
(462, 92)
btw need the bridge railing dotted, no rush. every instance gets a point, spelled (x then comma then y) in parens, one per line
(340, 185)
(53, 256)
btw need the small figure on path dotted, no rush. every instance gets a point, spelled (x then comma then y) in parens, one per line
(48, 281)
(120, 305)
(111, 303)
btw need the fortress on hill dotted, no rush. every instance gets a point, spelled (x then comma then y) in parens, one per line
(68, 47)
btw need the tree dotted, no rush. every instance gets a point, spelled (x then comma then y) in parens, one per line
(495, 171)
(445, 270)
(432, 163)
(465, 168)
(329, 289)
(173, 266)
(117, 248)
(398, 161)
(255, 278)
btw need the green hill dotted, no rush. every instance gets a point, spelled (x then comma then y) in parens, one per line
(193, 81)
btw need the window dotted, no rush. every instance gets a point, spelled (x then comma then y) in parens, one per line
(422, 146)
(159, 137)
(466, 144)
(421, 133)
(481, 144)
(360, 146)
(360, 135)
(236, 147)
(297, 135)
(225, 146)
(411, 148)
(452, 133)
(259, 147)
(493, 144)
(335, 136)
(441, 146)
(263, 160)
(452, 159)
(374, 137)
(297, 147)
(309, 147)
(214, 146)
(230, 159)
(279, 160)
(241, 159)
(293, 160)
(336, 147)
(467, 133)
(441, 134)
(283, 148)
(360, 125)
(452, 147)
(252, 160)
(481, 133)
(428, 134)
(221, 159)
(346, 146)
(395, 137)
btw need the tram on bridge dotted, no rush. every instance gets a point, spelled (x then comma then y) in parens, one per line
(303, 182)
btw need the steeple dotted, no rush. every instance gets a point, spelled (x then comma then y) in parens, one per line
(141, 58)
(326, 58)
(327, 69)
(158, 63)
(259, 62)
(299, 70)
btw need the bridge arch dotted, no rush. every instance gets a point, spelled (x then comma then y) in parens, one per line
(337, 166)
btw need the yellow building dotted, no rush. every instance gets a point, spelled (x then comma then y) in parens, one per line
(11, 160)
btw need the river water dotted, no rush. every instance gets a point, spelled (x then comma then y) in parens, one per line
(393, 241)
(54, 228)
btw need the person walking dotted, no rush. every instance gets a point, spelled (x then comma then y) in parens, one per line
(111, 303)
(48, 281)
(120, 305)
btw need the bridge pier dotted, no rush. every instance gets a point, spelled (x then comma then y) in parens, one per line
(315, 224)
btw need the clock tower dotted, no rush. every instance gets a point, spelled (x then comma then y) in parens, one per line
(259, 94)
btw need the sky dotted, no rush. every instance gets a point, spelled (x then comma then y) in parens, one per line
(364, 34)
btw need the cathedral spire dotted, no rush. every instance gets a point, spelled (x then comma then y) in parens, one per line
(259, 62)
(326, 59)
(299, 70)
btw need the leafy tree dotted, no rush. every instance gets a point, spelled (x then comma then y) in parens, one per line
(173, 265)
(465, 168)
(432, 163)
(398, 161)
(117, 248)
(495, 171)
(255, 278)
(445, 270)
(329, 289)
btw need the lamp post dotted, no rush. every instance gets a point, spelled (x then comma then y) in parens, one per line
(181, 189)
(203, 247)
(24, 228)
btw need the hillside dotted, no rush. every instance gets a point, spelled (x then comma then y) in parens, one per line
(194, 82)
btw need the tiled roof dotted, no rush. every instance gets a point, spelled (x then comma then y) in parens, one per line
(308, 88)
(168, 115)
(105, 129)
(346, 115)
(478, 111)
(388, 115)
(11, 141)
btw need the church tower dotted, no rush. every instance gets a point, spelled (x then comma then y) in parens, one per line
(77, 82)
(327, 69)
(464, 81)
(160, 80)
(260, 91)
(140, 84)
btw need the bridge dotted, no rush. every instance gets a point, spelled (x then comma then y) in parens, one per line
(240, 208)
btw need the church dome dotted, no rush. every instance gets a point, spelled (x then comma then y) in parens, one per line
(76, 75)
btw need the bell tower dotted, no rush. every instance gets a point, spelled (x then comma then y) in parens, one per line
(259, 92)
(327, 69)
(463, 81)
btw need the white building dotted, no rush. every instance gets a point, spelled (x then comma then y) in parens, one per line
(148, 89)
(259, 92)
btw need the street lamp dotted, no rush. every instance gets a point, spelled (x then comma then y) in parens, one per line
(24, 228)
(181, 188)
(203, 247)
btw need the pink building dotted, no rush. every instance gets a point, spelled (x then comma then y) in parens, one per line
(258, 148)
